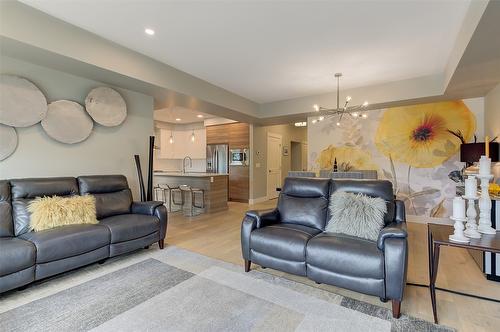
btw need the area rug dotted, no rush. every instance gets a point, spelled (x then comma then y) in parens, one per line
(178, 290)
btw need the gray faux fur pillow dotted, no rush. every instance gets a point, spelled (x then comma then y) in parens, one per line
(357, 215)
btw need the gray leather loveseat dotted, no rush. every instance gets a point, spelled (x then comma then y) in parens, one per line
(291, 238)
(123, 226)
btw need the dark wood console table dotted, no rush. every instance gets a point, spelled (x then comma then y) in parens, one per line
(438, 235)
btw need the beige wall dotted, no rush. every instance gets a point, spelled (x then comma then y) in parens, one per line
(289, 133)
(492, 113)
(106, 151)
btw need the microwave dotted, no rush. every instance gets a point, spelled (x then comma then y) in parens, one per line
(238, 157)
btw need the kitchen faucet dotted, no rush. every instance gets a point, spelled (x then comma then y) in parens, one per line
(184, 163)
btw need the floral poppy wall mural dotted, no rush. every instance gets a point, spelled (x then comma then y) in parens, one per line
(425, 135)
(416, 147)
(347, 155)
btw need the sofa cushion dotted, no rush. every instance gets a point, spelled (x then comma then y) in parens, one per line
(346, 255)
(25, 190)
(16, 255)
(6, 226)
(356, 214)
(127, 227)
(372, 188)
(56, 211)
(284, 241)
(304, 201)
(112, 194)
(67, 241)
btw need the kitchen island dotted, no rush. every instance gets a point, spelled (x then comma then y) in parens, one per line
(215, 186)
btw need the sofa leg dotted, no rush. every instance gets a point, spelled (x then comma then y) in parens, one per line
(396, 308)
(161, 243)
(101, 261)
(247, 265)
(382, 299)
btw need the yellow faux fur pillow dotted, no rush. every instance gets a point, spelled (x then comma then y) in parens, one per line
(50, 212)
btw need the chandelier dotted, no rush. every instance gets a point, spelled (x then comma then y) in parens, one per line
(357, 111)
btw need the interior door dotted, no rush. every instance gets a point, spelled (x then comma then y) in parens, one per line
(274, 144)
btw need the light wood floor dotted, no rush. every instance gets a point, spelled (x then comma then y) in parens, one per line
(218, 235)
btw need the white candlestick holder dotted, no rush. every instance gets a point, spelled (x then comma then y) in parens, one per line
(458, 234)
(471, 225)
(485, 206)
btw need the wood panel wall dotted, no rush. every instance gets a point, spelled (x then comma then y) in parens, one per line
(237, 136)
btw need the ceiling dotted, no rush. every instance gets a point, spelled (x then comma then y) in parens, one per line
(185, 115)
(275, 50)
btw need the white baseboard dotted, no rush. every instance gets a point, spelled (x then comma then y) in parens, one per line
(253, 201)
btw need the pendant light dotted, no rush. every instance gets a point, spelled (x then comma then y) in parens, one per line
(357, 111)
(192, 136)
(171, 140)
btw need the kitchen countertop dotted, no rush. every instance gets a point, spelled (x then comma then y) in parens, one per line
(188, 174)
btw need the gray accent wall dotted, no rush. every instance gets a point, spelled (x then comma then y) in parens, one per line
(108, 150)
(259, 154)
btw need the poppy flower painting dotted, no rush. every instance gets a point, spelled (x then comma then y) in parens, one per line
(422, 135)
(415, 147)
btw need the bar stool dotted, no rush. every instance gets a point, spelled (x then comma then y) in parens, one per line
(163, 193)
(193, 193)
(173, 201)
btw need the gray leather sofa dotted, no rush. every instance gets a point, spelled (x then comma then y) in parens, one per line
(292, 238)
(123, 226)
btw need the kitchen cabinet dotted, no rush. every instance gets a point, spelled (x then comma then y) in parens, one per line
(183, 145)
(237, 136)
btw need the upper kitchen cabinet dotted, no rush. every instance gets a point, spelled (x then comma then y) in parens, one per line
(183, 144)
(239, 136)
(218, 134)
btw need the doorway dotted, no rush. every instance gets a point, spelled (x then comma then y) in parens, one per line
(274, 145)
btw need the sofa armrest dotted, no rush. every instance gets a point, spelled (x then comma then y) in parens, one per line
(400, 214)
(153, 208)
(145, 207)
(396, 267)
(393, 230)
(264, 217)
(255, 219)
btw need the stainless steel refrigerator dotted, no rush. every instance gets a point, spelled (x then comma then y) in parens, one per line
(218, 158)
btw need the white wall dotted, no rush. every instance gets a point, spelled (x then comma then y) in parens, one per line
(106, 151)
(162, 164)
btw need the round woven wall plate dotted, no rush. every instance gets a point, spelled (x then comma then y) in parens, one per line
(106, 106)
(67, 122)
(8, 141)
(22, 104)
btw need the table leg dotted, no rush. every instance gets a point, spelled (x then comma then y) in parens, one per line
(432, 284)
(430, 253)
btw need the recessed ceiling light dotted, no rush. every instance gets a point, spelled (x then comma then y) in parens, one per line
(199, 116)
(150, 32)
(178, 119)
